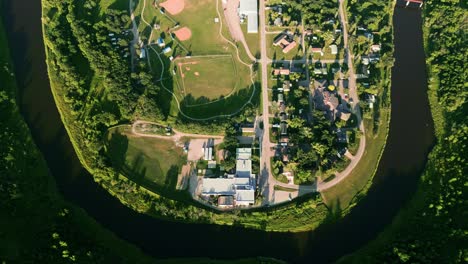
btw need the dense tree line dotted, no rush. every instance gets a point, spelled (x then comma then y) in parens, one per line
(433, 228)
(37, 225)
(312, 12)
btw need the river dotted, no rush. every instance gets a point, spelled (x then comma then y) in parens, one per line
(410, 138)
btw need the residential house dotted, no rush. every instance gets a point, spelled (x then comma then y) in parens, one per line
(280, 98)
(291, 46)
(326, 101)
(286, 86)
(283, 128)
(317, 50)
(161, 43)
(142, 53)
(375, 48)
(334, 49)
(281, 71)
(345, 116)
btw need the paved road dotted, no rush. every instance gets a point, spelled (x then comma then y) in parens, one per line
(267, 181)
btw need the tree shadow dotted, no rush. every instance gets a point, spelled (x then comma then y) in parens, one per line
(334, 212)
(171, 178)
(222, 105)
(117, 151)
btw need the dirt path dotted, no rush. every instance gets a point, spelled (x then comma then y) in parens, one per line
(233, 23)
(177, 134)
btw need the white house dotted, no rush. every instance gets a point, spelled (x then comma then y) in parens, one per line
(249, 9)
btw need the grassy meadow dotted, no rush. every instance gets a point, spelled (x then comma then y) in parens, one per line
(143, 159)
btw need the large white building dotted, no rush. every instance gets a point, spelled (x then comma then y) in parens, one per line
(249, 9)
(241, 185)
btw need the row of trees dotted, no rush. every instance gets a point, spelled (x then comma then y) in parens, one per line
(313, 12)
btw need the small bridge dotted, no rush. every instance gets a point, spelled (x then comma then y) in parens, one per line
(419, 2)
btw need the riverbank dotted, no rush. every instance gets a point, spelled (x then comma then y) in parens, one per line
(431, 228)
(30, 198)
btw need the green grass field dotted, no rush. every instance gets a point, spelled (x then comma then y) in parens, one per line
(145, 159)
(343, 193)
(253, 41)
(207, 77)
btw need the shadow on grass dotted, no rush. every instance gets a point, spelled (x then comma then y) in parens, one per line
(117, 150)
(223, 106)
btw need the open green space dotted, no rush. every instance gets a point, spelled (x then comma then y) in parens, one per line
(343, 193)
(253, 41)
(195, 77)
(145, 159)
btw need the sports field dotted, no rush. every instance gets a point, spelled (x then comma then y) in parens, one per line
(207, 77)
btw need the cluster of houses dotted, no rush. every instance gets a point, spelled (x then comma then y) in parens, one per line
(285, 41)
(282, 126)
(236, 189)
(326, 99)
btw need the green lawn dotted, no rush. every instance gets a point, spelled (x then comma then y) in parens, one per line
(343, 193)
(253, 41)
(207, 77)
(143, 159)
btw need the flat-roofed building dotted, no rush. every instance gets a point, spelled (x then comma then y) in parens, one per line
(249, 9)
(241, 185)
